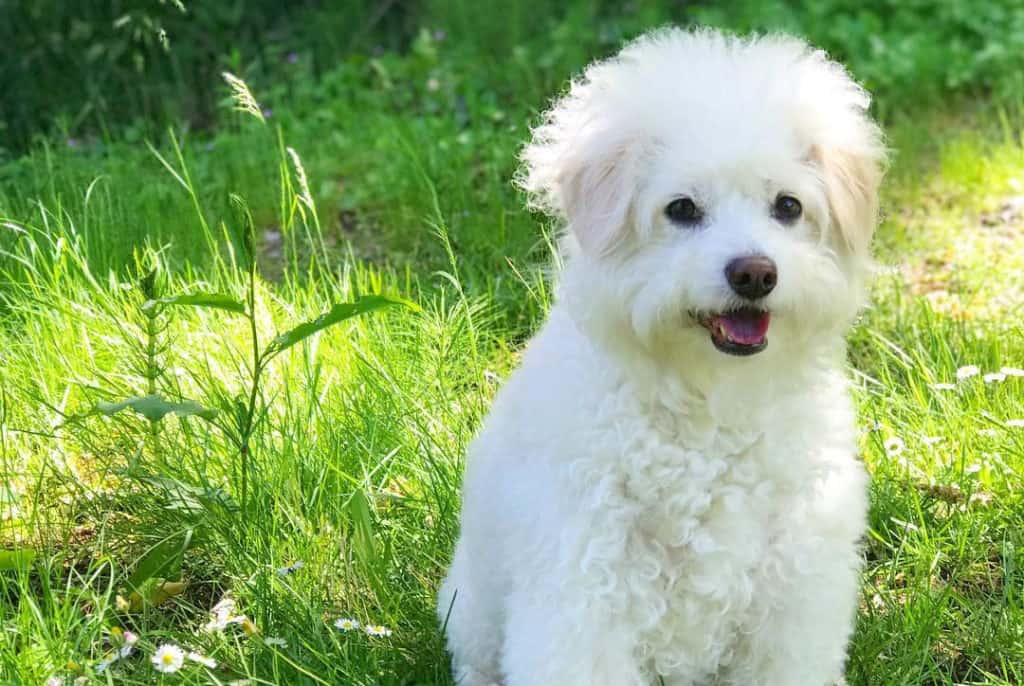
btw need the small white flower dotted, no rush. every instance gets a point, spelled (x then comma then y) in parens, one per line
(973, 468)
(223, 614)
(346, 624)
(994, 376)
(944, 386)
(55, 681)
(988, 432)
(931, 440)
(275, 642)
(168, 658)
(1012, 371)
(894, 446)
(226, 606)
(1015, 423)
(967, 372)
(202, 659)
(377, 630)
(239, 682)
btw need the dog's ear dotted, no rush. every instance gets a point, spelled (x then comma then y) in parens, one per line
(848, 148)
(852, 175)
(581, 166)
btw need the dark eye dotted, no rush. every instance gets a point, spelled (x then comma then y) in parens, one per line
(787, 208)
(683, 211)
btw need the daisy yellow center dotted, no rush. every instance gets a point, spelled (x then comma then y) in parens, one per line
(167, 658)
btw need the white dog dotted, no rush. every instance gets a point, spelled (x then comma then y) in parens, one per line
(667, 489)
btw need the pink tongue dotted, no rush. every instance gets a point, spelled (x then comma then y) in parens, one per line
(747, 327)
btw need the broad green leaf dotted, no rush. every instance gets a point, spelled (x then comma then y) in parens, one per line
(154, 408)
(362, 522)
(220, 301)
(164, 559)
(190, 498)
(19, 558)
(364, 541)
(338, 313)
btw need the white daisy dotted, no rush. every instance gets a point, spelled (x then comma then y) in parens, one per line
(944, 386)
(239, 682)
(377, 630)
(275, 642)
(225, 606)
(894, 446)
(1012, 371)
(994, 376)
(223, 614)
(967, 371)
(346, 624)
(988, 432)
(1015, 423)
(931, 440)
(202, 659)
(168, 658)
(973, 468)
(55, 681)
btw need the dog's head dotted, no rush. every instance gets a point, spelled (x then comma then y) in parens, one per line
(718, 192)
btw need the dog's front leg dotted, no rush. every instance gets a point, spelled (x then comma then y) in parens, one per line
(803, 640)
(556, 637)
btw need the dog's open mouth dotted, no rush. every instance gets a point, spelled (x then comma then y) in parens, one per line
(738, 332)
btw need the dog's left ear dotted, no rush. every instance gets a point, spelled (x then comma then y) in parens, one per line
(581, 165)
(848, 148)
(852, 176)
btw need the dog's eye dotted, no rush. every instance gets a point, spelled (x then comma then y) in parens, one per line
(787, 208)
(683, 211)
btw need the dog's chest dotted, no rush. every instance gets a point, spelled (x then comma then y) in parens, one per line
(706, 544)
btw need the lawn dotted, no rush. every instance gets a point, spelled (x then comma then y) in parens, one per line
(264, 483)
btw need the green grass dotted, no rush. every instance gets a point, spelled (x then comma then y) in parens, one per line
(355, 460)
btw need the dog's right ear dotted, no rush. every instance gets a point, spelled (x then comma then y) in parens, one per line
(581, 166)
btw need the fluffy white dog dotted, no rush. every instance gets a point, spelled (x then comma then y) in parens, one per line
(667, 489)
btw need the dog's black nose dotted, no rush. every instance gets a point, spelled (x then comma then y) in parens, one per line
(752, 277)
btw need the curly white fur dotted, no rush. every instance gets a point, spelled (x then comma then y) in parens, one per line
(639, 505)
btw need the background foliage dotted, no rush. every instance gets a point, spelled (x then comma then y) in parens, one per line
(139, 62)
